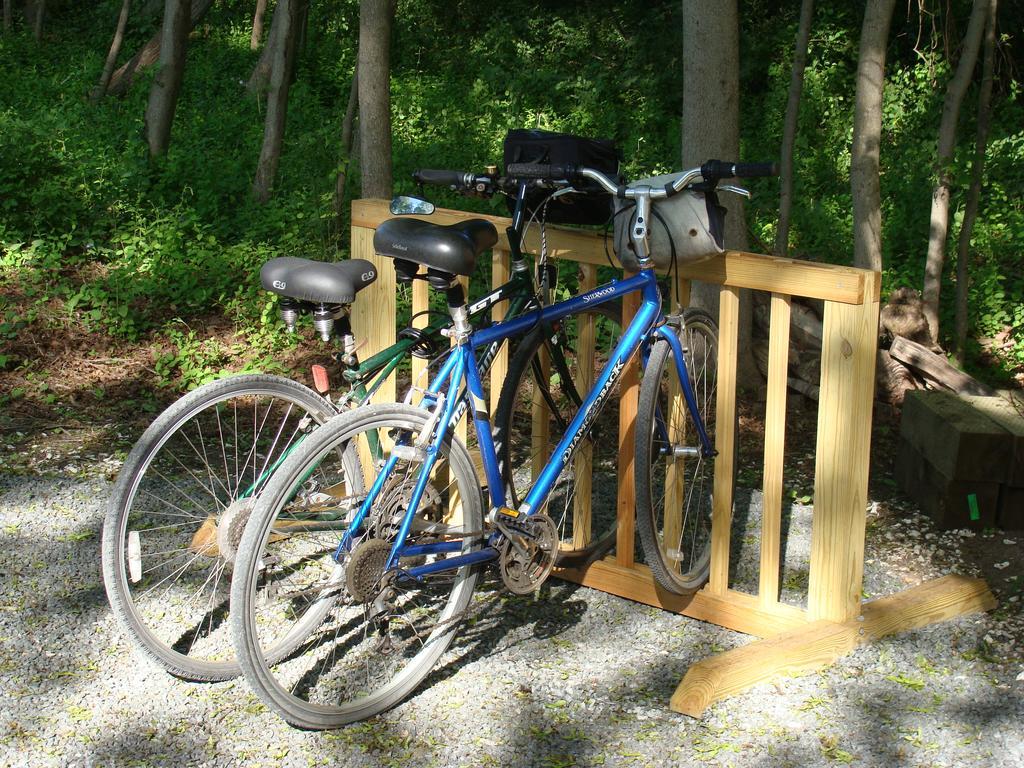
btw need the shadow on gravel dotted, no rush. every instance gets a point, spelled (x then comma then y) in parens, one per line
(148, 747)
(53, 583)
(498, 613)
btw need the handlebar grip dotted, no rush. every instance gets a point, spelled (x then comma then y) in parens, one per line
(543, 171)
(720, 169)
(442, 178)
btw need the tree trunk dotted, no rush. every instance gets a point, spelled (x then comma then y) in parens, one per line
(939, 225)
(347, 133)
(867, 132)
(115, 48)
(8, 15)
(974, 193)
(259, 79)
(287, 20)
(149, 53)
(163, 95)
(375, 97)
(37, 21)
(257, 25)
(796, 85)
(710, 129)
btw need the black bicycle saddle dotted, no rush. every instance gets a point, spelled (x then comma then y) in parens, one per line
(319, 281)
(453, 248)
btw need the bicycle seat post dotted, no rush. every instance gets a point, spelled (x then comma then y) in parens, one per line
(461, 327)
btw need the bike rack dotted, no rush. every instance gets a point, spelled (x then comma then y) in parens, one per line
(793, 640)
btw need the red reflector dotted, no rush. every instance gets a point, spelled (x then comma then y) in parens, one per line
(320, 379)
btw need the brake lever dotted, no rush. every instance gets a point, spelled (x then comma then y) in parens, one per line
(735, 190)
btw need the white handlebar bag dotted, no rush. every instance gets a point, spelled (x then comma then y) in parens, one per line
(691, 222)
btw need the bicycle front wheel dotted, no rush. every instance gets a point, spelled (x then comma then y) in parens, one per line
(674, 477)
(327, 639)
(548, 377)
(179, 506)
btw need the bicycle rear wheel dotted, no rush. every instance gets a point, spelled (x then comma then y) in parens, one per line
(674, 480)
(194, 474)
(545, 385)
(326, 641)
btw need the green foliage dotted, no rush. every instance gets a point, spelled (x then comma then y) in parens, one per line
(92, 233)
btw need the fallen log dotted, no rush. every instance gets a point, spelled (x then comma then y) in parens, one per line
(937, 369)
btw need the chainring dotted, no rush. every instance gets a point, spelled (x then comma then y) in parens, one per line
(365, 568)
(527, 553)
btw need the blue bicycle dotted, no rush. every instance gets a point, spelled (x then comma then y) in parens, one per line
(363, 614)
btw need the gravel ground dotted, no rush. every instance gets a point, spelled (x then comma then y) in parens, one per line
(576, 677)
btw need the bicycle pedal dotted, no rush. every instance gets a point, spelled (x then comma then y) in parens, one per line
(506, 514)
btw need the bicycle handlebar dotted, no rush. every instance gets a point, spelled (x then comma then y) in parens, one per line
(712, 172)
(720, 169)
(442, 178)
(541, 171)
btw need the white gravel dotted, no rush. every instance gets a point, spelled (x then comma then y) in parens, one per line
(577, 677)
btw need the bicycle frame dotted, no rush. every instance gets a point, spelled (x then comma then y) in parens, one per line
(459, 375)
(518, 291)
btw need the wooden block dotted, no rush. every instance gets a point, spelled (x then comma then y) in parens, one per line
(943, 499)
(821, 642)
(1010, 516)
(961, 442)
(1003, 413)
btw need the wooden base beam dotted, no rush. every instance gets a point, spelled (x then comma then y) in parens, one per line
(820, 643)
(734, 610)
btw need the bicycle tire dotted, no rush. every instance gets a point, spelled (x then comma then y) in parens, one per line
(518, 450)
(168, 493)
(345, 622)
(674, 482)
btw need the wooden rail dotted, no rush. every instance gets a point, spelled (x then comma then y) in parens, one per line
(801, 639)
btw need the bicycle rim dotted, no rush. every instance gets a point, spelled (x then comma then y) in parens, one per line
(674, 479)
(166, 565)
(327, 642)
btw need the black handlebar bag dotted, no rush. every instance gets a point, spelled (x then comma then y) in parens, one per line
(591, 205)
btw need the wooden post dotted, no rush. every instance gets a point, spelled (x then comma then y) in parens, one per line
(374, 312)
(629, 395)
(500, 272)
(774, 449)
(584, 461)
(540, 427)
(841, 468)
(420, 303)
(725, 440)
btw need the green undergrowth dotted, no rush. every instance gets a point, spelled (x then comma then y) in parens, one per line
(95, 235)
